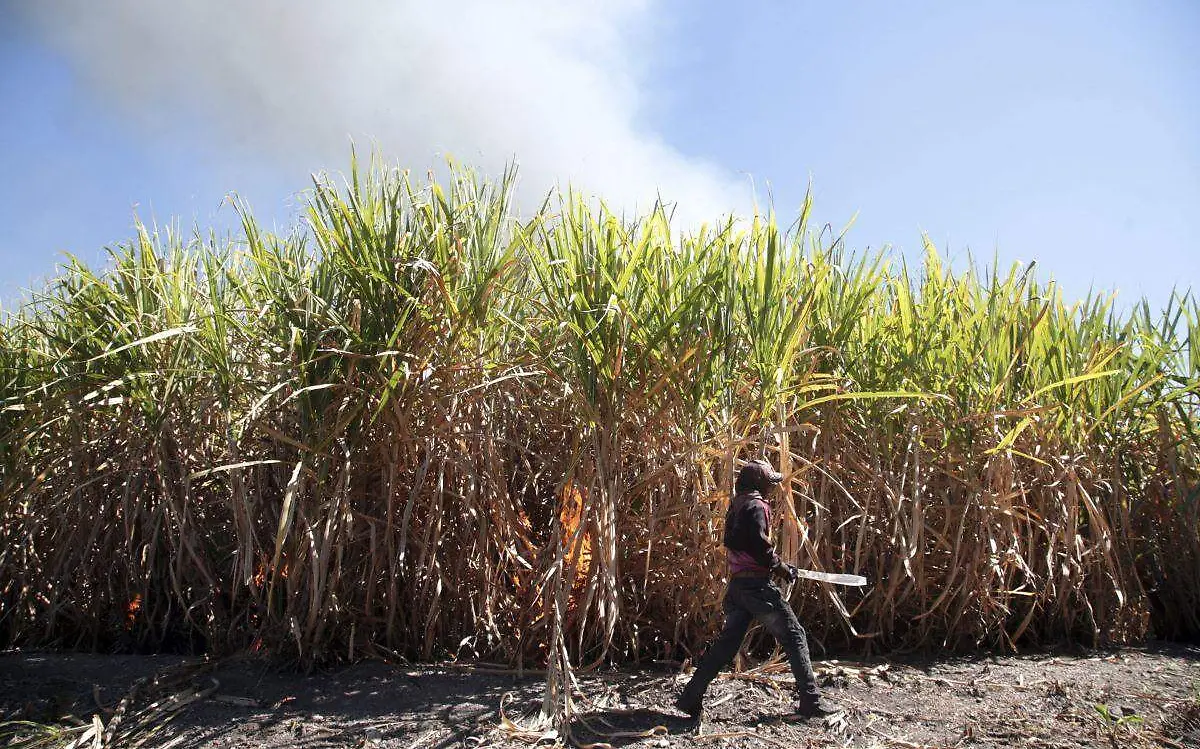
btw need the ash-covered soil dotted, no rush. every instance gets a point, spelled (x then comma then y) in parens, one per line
(1129, 698)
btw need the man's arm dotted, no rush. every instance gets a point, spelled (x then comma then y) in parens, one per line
(758, 538)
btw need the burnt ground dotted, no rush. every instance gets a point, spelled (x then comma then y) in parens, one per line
(1128, 698)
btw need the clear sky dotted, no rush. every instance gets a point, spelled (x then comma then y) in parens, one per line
(1062, 132)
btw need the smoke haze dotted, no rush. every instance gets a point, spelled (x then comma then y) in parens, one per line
(553, 84)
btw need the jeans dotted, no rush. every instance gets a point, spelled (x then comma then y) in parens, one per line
(747, 599)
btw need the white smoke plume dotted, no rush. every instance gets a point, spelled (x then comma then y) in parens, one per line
(553, 84)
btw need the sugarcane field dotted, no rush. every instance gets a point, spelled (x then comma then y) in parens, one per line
(544, 374)
(427, 449)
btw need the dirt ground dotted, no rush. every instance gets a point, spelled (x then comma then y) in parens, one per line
(1128, 698)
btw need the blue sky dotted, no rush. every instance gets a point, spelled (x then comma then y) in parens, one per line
(1065, 132)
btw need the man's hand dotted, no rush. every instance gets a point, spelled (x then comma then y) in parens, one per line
(788, 571)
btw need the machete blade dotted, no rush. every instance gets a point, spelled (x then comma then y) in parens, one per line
(836, 579)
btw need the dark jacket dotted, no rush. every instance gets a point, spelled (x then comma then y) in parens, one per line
(747, 534)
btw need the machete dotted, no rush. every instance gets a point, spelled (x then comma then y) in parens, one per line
(829, 577)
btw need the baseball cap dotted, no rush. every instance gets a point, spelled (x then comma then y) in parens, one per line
(759, 474)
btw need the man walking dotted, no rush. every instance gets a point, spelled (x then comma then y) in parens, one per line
(751, 595)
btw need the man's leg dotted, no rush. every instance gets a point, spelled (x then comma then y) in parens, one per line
(720, 654)
(776, 615)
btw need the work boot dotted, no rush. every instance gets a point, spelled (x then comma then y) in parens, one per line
(689, 703)
(813, 706)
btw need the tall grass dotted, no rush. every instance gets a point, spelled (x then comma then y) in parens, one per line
(421, 425)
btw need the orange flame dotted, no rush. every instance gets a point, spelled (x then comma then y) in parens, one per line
(578, 552)
(131, 611)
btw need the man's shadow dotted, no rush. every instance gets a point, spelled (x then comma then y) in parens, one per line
(624, 727)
